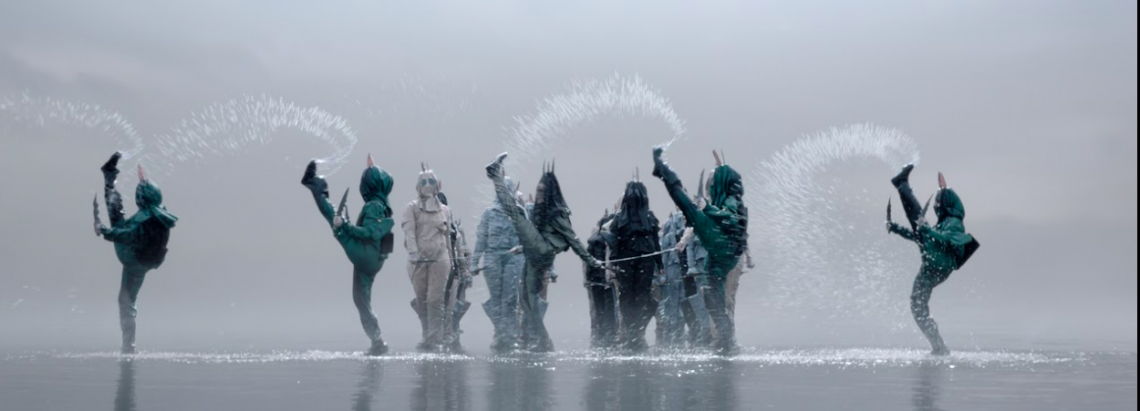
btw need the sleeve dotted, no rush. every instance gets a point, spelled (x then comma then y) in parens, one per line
(903, 232)
(128, 233)
(409, 226)
(693, 215)
(567, 232)
(375, 225)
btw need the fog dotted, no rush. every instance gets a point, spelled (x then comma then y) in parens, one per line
(1028, 107)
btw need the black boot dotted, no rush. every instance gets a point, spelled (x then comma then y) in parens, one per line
(315, 183)
(379, 348)
(904, 175)
(110, 170)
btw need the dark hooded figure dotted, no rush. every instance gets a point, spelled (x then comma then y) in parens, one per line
(601, 291)
(140, 241)
(547, 233)
(637, 232)
(367, 243)
(945, 247)
(720, 226)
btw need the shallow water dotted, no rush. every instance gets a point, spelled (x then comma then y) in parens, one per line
(817, 379)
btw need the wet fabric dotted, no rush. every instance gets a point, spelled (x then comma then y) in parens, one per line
(547, 233)
(494, 239)
(720, 228)
(364, 243)
(427, 231)
(636, 231)
(601, 292)
(945, 248)
(671, 317)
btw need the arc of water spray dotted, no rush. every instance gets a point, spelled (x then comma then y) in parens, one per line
(42, 111)
(793, 211)
(580, 102)
(226, 128)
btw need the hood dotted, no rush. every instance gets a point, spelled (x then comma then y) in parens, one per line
(634, 212)
(548, 203)
(947, 204)
(726, 184)
(148, 197)
(427, 187)
(375, 185)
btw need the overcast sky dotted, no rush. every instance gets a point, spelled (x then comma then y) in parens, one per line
(1028, 106)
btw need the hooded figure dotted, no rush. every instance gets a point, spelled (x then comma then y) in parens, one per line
(547, 233)
(458, 281)
(636, 229)
(601, 291)
(366, 243)
(140, 241)
(497, 244)
(670, 311)
(427, 231)
(945, 247)
(720, 226)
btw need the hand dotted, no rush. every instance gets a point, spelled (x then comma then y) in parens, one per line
(890, 225)
(413, 257)
(748, 263)
(594, 263)
(337, 222)
(680, 247)
(98, 229)
(515, 250)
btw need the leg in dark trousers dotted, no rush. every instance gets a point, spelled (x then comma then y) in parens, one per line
(910, 203)
(130, 285)
(920, 307)
(362, 297)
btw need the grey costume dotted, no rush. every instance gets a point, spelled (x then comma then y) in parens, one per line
(671, 321)
(495, 237)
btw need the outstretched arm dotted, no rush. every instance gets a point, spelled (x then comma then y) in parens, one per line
(567, 232)
(901, 231)
(676, 190)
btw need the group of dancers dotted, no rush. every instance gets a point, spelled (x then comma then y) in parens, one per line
(682, 274)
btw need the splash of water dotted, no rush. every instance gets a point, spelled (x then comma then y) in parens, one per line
(42, 112)
(829, 357)
(582, 101)
(817, 259)
(228, 127)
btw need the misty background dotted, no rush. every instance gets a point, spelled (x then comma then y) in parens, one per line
(1029, 107)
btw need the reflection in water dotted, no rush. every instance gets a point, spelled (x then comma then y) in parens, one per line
(125, 390)
(371, 374)
(520, 385)
(638, 386)
(442, 386)
(927, 387)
